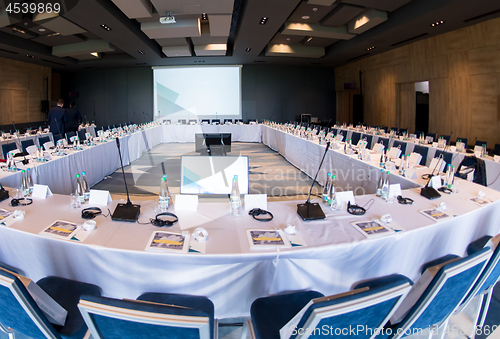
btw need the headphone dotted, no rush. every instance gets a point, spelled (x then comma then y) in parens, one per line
(21, 201)
(164, 222)
(91, 212)
(257, 211)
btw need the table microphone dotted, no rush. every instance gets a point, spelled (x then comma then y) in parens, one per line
(25, 161)
(308, 211)
(430, 192)
(125, 212)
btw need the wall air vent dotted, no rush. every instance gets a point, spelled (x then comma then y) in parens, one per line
(482, 15)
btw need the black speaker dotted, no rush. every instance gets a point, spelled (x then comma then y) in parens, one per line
(357, 108)
(45, 106)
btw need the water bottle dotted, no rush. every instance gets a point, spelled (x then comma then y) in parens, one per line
(450, 177)
(29, 179)
(402, 168)
(385, 186)
(25, 189)
(332, 200)
(234, 198)
(382, 159)
(79, 189)
(326, 188)
(164, 196)
(447, 175)
(378, 192)
(85, 187)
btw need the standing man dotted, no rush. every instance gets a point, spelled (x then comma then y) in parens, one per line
(57, 118)
(74, 118)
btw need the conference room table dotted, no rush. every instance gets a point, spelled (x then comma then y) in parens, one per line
(186, 133)
(23, 138)
(230, 273)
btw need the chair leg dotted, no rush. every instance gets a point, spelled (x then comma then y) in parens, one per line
(7, 330)
(484, 308)
(248, 329)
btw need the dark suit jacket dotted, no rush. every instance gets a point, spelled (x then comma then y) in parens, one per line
(57, 120)
(74, 118)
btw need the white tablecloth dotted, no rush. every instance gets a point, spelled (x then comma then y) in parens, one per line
(186, 133)
(230, 273)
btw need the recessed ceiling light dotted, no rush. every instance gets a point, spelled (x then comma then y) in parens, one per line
(309, 39)
(30, 56)
(315, 9)
(287, 39)
(370, 48)
(141, 52)
(305, 17)
(248, 49)
(263, 20)
(95, 54)
(204, 16)
(106, 27)
(53, 34)
(437, 23)
(18, 30)
(41, 29)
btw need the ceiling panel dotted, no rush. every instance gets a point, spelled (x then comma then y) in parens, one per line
(178, 7)
(321, 2)
(57, 40)
(341, 15)
(18, 31)
(316, 30)
(286, 39)
(44, 31)
(210, 50)
(80, 48)
(206, 39)
(294, 51)
(177, 51)
(6, 19)
(314, 12)
(219, 24)
(320, 42)
(386, 5)
(172, 41)
(63, 26)
(366, 21)
(182, 28)
(135, 9)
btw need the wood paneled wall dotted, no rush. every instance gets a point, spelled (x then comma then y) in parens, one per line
(463, 70)
(22, 89)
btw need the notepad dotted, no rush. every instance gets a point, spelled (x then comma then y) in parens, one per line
(435, 214)
(61, 229)
(169, 242)
(262, 239)
(371, 229)
(479, 201)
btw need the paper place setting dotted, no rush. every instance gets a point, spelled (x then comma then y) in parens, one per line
(161, 241)
(267, 239)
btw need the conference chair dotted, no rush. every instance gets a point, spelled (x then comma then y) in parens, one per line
(481, 143)
(253, 120)
(375, 126)
(395, 129)
(26, 143)
(401, 145)
(418, 133)
(445, 291)
(334, 131)
(496, 150)
(403, 130)
(205, 121)
(433, 135)
(104, 128)
(464, 140)
(19, 312)
(483, 288)
(228, 120)
(384, 141)
(43, 140)
(69, 135)
(48, 145)
(166, 316)
(57, 137)
(370, 308)
(447, 156)
(81, 134)
(385, 128)
(6, 148)
(238, 120)
(97, 129)
(369, 140)
(423, 151)
(216, 121)
(446, 137)
(343, 133)
(355, 137)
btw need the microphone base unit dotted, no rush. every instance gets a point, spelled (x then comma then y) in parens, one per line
(310, 211)
(430, 193)
(126, 212)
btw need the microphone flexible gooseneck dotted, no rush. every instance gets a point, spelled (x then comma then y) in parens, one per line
(319, 168)
(123, 172)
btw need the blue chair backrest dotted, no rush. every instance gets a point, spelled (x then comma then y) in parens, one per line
(14, 298)
(464, 140)
(446, 137)
(355, 137)
(81, 134)
(27, 143)
(369, 139)
(129, 319)
(371, 307)
(445, 292)
(423, 151)
(43, 140)
(57, 137)
(402, 144)
(384, 141)
(447, 156)
(433, 135)
(481, 143)
(6, 148)
(70, 135)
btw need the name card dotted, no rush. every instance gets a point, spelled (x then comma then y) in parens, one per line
(411, 174)
(99, 197)
(453, 148)
(436, 182)
(394, 152)
(434, 164)
(41, 191)
(415, 158)
(435, 144)
(378, 148)
(390, 166)
(394, 191)
(496, 158)
(343, 198)
(255, 201)
(186, 202)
